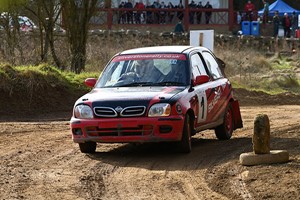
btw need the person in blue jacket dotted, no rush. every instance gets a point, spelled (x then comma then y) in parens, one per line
(179, 28)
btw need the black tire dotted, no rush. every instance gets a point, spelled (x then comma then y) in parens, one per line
(185, 144)
(88, 147)
(224, 131)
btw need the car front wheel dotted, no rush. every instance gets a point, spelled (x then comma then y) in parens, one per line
(88, 147)
(224, 131)
(185, 144)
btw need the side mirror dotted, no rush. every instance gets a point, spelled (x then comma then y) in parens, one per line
(90, 82)
(201, 79)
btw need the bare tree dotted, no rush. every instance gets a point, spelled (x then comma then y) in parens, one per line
(10, 35)
(77, 14)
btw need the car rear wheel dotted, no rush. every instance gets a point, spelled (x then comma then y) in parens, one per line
(88, 147)
(185, 144)
(224, 131)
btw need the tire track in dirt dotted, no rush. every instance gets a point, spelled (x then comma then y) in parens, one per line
(239, 187)
(151, 168)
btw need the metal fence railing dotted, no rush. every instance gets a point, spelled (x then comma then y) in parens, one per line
(111, 17)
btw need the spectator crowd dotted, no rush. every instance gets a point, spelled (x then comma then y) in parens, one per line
(200, 12)
(288, 23)
(161, 13)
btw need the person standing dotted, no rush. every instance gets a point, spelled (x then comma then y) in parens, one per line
(286, 23)
(157, 18)
(122, 14)
(294, 21)
(170, 13)
(249, 9)
(180, 14)
(149, 14)
(238, 18)
(276, 22)
(192, 5)
(266, 12)
(163, 13)
(129, 14)
(178, 28)
(199, 13)
(208, 13)
(139, 14)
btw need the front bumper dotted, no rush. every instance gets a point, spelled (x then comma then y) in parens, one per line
(114, 130)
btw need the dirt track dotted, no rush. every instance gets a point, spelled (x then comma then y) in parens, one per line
(40, 161)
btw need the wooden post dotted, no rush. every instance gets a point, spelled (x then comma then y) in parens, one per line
(186, 16)
(201, 39)
(230, 15)
(109, 18)
(109, 13)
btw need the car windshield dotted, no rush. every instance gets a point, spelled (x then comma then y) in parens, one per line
(145, 70)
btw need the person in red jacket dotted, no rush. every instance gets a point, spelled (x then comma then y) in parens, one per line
(249, 9)
(286, 23)
(139, 17)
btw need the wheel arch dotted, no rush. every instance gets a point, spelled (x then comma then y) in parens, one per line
(191, 113)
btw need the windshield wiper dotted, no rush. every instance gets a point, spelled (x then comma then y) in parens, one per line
(137, 84)
(167, 83)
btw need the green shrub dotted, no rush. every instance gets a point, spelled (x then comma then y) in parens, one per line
(261, 64)
(287, 81)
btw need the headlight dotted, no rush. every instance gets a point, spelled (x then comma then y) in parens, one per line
(83, 112)
(159, 110)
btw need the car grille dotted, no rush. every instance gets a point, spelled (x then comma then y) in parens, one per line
(131, 111)
(105, 112)
(141, 130)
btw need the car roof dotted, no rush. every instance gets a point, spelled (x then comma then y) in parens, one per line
(161, 49)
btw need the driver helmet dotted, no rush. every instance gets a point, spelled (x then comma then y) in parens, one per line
(142, 66)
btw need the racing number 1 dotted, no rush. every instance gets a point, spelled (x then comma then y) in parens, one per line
(202, 100)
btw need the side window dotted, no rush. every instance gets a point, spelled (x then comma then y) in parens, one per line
(212, 65)
(197, 66)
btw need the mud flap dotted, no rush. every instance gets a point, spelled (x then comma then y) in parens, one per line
(238, 122)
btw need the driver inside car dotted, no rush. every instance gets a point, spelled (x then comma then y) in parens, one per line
(144, 71)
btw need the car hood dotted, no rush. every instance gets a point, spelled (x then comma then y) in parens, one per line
(130, 96)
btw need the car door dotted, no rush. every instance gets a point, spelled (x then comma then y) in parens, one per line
(201, 91)
(220, 88)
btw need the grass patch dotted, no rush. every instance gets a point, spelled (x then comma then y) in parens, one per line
(251, 71)
(78, 79)
(282, 64)
(41, 77)
(277, 85)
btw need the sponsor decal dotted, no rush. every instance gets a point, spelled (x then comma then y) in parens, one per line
(149, 56)
(202, 101)
(215, 100)
(223, 86)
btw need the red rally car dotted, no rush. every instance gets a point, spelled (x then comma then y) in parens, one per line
(154, 94)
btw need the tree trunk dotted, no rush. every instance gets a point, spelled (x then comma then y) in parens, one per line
(77, 15)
